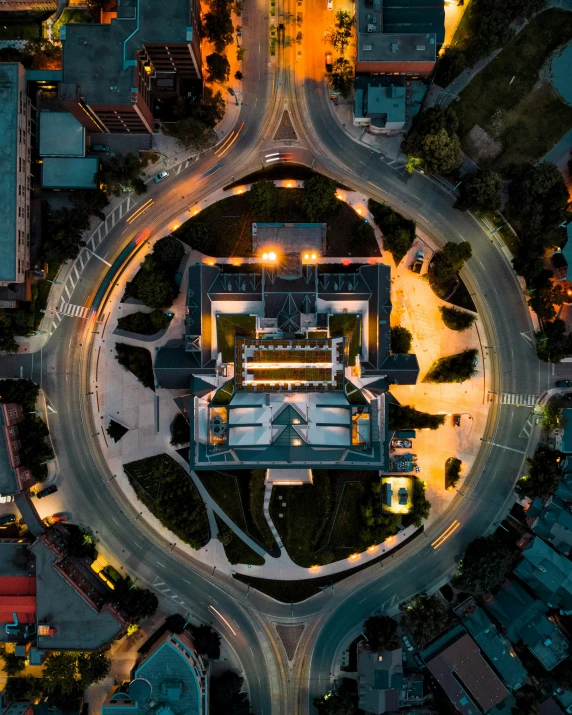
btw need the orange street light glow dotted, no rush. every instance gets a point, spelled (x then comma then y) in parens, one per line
(372, 549)
(358, 211)
(446, 534)
(314, 256)
(353, 557)
(271, 256)
(307, 256)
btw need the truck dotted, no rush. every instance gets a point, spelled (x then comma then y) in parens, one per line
(417, 264)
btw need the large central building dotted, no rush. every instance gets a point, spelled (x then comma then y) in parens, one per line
(287, 370)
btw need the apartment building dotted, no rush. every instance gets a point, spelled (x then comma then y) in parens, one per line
(15, 178)
(113, 72)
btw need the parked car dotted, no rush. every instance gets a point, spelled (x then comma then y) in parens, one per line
(456, 420)
(419, 662)
(328, 61)
(48, 490)
(7, 519)
(61, 516)
(330, 4)
(404, 656)
(417, 264)
(407, 643)
(100, 147)
(160, 176)
(6, 499)
(563, 383)
(401, 443)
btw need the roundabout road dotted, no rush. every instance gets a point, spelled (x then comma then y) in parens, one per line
(89, 489)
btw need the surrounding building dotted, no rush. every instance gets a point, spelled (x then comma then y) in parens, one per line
(548, 574)
(465, 676)
(499, 652)
(552, 520)
(15, 178)
(562, 262)
(382, 687)
(170, 679)
(113, 72)
(14, 475)
(399, 38)
(379, 107)
(288, 367)
(563, 436)
(524, 619)
(28, 5)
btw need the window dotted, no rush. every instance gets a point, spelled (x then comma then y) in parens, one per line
(27, 239)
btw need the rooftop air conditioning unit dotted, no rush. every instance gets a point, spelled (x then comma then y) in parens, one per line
(421, 47)
(366, 48)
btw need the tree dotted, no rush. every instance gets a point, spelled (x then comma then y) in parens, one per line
(545, 297)
(452, 472)
(381, 633)
(454, 368)
(456, 319)
(180, 430)
(342, 33)
(61, 671)
(434, 120)
(480, 191)
(398, 232)
(552, 343)
(218, 26)
(123, 174)
(191, 133)
(424, 616)
(544, 473)
(196, 235)
(420, 505)
(226, 695)
(24, 392)
(407, 417)
(400, 340)
(338, 703)
(442, 153)
(319, 196)
(207, 641)
(218, 68)
(528, 701)
(92, 667)
(225, 535)
(484, 565)
(80, 543)
(157, 290)
(135, 603)
(115, 430)
(342, 76)
(138, 361)
(449, 261)
(263, 197)
(13, 664)
(90, 202)
(64, 237)
(238, 75)
(23, 689)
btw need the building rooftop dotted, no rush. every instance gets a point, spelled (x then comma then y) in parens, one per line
(69, 173)
(496, 648)
(380, 680)
(61, 134)
(8, 480)
(552, 521)
(100, 58)
(78, 626)
(292, 237)
(566, 446)
(9, 73)
(381, 47)
(547, 573)
(466, 677)
(388, 102)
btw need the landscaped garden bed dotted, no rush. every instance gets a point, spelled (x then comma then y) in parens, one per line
(295, 374)
(154, 283)
(170, 495)
(236, 550)
(137, 361)
(304, 356)
(349, 327)
(144, 323)
(453, 368)
(230, 326)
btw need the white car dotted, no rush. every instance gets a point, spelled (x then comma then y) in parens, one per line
(6, 499)
(160, 176)
(330, 4)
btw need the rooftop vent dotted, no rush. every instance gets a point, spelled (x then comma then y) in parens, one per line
(366, 48)
(394, 46)
(420, 48)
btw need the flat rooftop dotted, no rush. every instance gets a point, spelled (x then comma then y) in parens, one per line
(8, 481)
(61, 135)
(8, 167)
(289, 237)
(69, 172)
(78, 626)
(381, 47)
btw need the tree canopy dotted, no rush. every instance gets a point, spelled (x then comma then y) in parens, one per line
(319, 196)
(381, 633)
(22, 391)
(449, 261)
(544, 473)
(434, 139)
(217, 24)
(453, 368)
(456, 319)
(338, 703)
(484, 565)
(191, 133)
(218, 68)
(342, 76)
(207, 641)
(407, 417)
(122, 174)
(155, 283)
(227, 696)
(480, 191)
(424, 616)
(263, 197)
(133, 602)
(552, 342)
(400, 340)
(398, 232)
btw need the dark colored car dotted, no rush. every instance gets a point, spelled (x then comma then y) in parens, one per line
(457, 420)
(563, 383)
(7, 519)
(46, 491)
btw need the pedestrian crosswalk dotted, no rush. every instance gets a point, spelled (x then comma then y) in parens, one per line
(512, 398)
(74, 311)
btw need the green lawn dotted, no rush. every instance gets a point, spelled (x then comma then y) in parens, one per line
(227, 326)
(240, 493)
(237, 551)
(224, 395)
(170, 495)
(348, 326)
(298, 523)
(345, 539)
(506, 100)
(71, 16)
(229, 224)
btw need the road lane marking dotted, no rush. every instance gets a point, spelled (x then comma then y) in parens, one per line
(445, 535)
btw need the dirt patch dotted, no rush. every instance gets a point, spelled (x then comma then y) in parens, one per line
(480, 145)
(290, 635)
(285, 128)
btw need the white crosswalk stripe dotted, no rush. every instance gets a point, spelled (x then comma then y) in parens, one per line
(74, 311)
(512, 398)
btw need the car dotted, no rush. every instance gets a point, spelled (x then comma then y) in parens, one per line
(417, 264)
(419, 662)
(61, 516)
(6, 499)
(408, 645)
(7, 519)
(160, 176)
(401, 443)
(563, 383)
(417, 468)
(328, 61)
(48, 490)
(404, 656)
(456, 420)
(330, 4)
